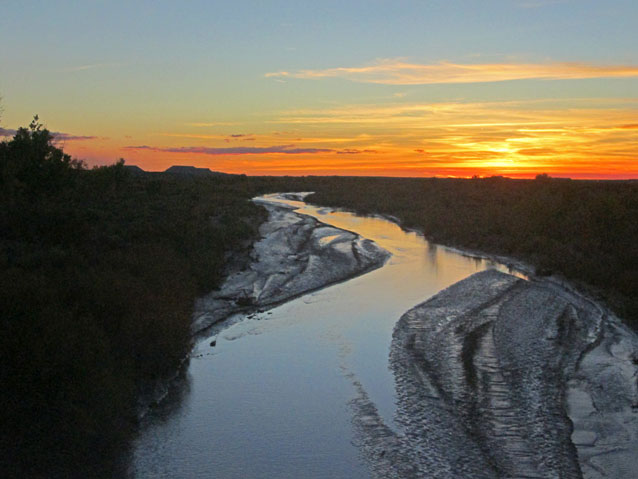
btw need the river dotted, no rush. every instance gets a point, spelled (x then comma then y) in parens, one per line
(273, 397)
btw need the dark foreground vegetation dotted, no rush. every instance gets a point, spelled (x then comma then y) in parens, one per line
(99, 270)
(585, 230)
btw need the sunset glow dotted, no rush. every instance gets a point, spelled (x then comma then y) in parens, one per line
(314, 91)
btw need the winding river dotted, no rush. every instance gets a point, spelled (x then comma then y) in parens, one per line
(273, 398)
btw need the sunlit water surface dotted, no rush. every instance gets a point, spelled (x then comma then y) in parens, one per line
(271, 398)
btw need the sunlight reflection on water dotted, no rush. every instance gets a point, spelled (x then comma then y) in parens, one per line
(271, 398)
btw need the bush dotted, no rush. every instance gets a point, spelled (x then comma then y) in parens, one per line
(99, 272)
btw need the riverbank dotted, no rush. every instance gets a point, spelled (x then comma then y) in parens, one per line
(296, 254)
(271, 397)
(501, 377)
(581, 230)
(579, 393)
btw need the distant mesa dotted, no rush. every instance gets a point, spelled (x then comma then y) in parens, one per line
(193, 171)
(136, 170)
(178, 170)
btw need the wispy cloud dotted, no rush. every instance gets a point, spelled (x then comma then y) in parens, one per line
(354, 151)
(207, 124)
(239, 137)
(57, 136)
(93, 66)
(7, 132)
(68, 137)
(399, 72)
(540, 3)
(561, 136)
(462, 114)
(238, 150)
(574, 136)
(225, 138)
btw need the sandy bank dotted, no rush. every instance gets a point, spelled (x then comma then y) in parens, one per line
(501, 377)
(296, 254)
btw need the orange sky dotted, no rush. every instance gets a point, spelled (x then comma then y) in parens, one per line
(454, 88)
(579, 138)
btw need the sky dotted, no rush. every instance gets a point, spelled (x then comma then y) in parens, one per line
(376, 88)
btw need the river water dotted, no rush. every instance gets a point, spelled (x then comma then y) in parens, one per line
(272, 398)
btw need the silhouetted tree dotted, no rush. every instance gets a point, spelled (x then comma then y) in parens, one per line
(98, 272)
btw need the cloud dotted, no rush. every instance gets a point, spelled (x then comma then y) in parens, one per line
(537, 151)
(57, 136)
(212, 123)
(93, 66)
(571, 135)
(226, 138)
(532, 115)
(540, 3)
(7, 132)
(354, 151)
(399, 72)
(67, 137)
(238, 150)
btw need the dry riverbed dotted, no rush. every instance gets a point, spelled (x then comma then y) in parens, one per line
(296, 254)
(501, 377)
(496, 376)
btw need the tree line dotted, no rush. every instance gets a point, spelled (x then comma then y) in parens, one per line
(99, 270)
(583, 230)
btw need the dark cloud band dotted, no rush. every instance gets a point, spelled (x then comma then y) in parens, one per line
(237, 150)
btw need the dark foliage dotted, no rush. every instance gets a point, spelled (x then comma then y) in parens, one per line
(99, 272)
(585, 230)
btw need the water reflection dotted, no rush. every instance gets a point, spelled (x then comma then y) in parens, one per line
(272, 397)
(174, 400)
(433, 257)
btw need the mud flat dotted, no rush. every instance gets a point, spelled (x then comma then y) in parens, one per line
(501, 377)
(296, 254)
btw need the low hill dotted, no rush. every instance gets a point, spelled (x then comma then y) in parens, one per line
(134, 169)
(193, 171)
